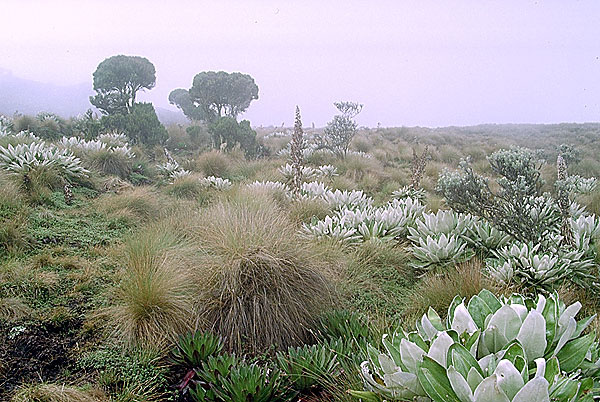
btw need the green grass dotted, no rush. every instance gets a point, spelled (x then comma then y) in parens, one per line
(377, 280)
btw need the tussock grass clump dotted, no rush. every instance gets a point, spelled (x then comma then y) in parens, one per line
(187, 187)
(213, 163)
(592, 201)
(13, 235)
(57, 393)
(114, 185)
(111, 163)
(12, 211)
(260, 285)
(140, 203)
(153, 303)
(438, 290)
(356, 167)
(10, 196)
(306, 209)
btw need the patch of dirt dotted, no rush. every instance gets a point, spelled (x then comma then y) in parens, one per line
(35, 352)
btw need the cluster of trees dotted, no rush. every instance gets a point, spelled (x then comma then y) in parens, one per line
(215, 100)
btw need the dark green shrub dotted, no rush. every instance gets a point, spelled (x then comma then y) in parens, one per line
(141, 125)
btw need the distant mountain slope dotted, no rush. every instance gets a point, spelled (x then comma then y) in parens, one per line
(167, 116)
(31, 97)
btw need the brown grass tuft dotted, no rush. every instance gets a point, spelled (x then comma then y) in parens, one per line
(213, 163)
(438, 290)
(153, 303)
(57, 393)
(260, 285)
(12, 308)
(140, 203)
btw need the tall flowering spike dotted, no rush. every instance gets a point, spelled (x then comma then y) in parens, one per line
(563, 202)
(297, 146)
(68, 193)
(417, 167)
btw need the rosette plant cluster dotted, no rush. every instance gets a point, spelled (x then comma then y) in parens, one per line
(24, 158)
(308, 173)
(509, 349)
(384, 223)
(336, 199)
(111, 142)
(171, 170)
(216, 183)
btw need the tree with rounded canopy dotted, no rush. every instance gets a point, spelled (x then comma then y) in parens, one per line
(117, 81)
(181, 98)
(220, 94)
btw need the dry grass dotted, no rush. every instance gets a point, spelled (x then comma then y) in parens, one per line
(260, 286)
(188, 187)
(356, 167)
(592, 201)
(12, 308)
(114, 185)
(57, 393)
(140, 203)
(153, 303)
(438, 290)
(213, 163)
(10, 196)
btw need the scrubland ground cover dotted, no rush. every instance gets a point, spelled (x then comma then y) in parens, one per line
(386, 269)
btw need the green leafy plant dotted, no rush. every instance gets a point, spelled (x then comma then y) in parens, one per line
(308, 366)
(195, 347)
(249, 383)
(343, 324)
(226, 378)
(488, 349)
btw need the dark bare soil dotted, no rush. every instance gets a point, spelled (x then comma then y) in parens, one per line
(35, 352)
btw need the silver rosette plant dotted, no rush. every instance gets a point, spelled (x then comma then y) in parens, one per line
(509, 349)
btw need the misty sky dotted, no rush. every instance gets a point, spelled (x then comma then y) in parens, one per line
(411, 63)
